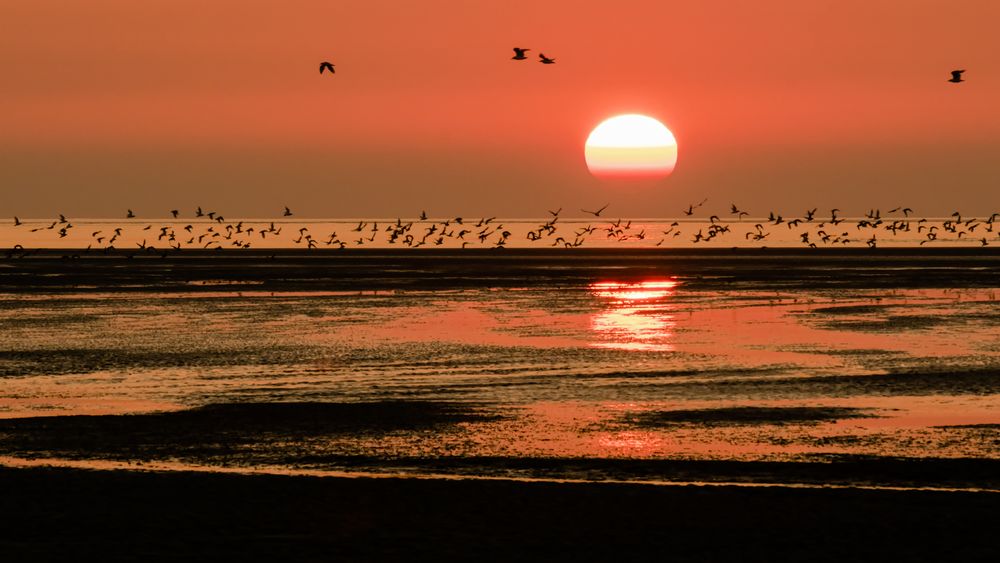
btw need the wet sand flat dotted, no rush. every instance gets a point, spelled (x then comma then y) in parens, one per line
(766, 355)
(48, 514)
(593, 404)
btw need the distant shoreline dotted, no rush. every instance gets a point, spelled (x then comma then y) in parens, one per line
(274, 270)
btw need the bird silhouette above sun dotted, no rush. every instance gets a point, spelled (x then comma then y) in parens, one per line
(631, 146)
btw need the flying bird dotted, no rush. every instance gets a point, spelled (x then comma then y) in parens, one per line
(956, 76)
(545, 60)
(175, 213)
(692, 207)
(130, 215)
(17, 222)
(519, 54)
(598, 212)
(326, 66)
(288, 212)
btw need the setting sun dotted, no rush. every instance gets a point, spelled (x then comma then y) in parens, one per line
(631, 146)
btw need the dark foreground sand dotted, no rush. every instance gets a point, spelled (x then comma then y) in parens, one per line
(64, 514)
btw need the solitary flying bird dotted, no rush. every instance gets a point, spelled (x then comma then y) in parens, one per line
(130, 215)
(326, 66)
(519, 54)
(956, 76)
(288, 212)
(545, 60)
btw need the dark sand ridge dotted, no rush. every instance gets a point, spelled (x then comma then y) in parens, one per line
(207, 354)
(291, 435)
(61, 514)
(353, 270)
(894, 382)
(917, 381)
(899, 323)
(222, 428)
(745, 416)
(900, 318)
(15, 363)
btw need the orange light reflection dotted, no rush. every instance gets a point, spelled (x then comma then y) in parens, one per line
(637, 316)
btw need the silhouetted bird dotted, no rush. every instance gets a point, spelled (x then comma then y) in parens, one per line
(130, 215)
(288, 212)
(545, 60)
(598, 212)
(692, 207)
(956, 76)
(17, 222)
(174, 212)
(519, 54)
(326, 66)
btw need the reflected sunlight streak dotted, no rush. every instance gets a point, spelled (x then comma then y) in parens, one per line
(637, 316)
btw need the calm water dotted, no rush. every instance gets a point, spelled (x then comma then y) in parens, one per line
(709, 357)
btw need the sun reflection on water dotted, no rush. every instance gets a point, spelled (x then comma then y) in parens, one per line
(637, 315)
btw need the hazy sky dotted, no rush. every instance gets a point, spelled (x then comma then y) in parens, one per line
(108, 104)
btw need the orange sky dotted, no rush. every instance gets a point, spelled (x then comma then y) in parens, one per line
(107, 104)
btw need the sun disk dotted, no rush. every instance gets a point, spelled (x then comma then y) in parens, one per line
(631, 146)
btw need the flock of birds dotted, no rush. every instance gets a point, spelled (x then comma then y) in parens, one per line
(210, 230)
